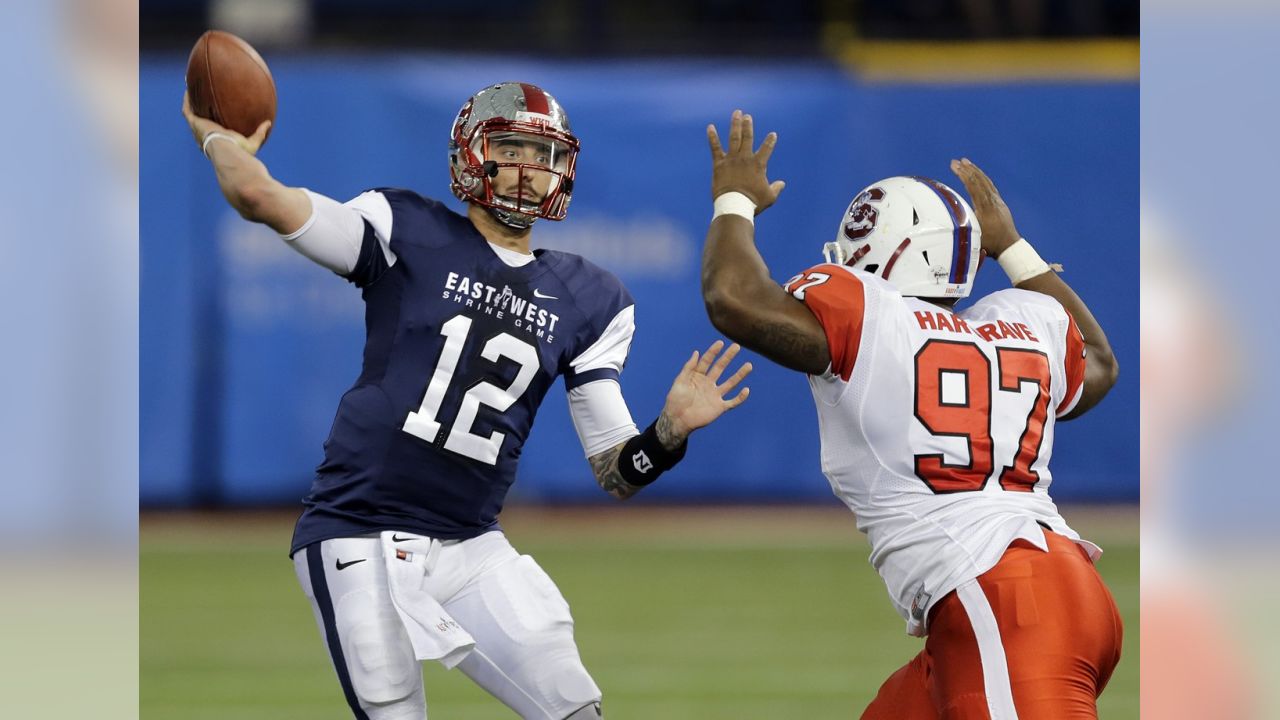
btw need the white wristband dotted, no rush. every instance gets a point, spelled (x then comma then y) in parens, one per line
(204, 146)
(735, 203)
(1021, 262)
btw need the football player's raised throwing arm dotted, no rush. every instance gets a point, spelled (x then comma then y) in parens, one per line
(324, 230)
(244, 179)
(1031, 273)
(742, 300)
(696, 399)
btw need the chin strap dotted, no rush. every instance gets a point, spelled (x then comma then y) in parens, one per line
(511, 218)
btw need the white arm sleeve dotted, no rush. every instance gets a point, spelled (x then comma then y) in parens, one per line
(600, 416)
(332, 236)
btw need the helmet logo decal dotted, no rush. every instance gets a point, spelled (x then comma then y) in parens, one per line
(531, 117)
(862, 216)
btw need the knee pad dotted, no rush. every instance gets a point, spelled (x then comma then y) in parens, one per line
(590, 712)
(379, 656)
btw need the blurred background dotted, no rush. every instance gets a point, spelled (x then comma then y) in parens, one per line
(753, 574)
(1210, 567)
(69, 358)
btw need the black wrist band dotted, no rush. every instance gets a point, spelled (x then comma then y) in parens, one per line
(644, 458)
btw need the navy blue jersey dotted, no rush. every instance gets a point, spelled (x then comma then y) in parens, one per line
(459, 352)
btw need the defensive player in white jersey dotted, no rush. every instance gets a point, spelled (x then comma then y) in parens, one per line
(937, 427)
(399, 548)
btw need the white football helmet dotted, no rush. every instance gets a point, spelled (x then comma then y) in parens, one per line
(915, 232)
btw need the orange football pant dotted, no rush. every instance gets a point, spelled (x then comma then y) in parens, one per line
(1034, 638)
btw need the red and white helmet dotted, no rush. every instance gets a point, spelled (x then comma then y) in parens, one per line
(495, 129)
(915, 232)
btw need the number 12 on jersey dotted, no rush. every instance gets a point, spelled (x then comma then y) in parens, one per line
(970, 418)
(423, 424)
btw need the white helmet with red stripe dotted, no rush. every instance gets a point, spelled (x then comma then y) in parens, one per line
(511, 151)
(915, 232)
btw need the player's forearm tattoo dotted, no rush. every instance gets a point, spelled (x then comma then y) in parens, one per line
(669, 438)
(787, 345)
(605, 466)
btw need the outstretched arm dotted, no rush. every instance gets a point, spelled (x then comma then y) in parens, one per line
(244, 179)
(696, 399)
(607, 465)
(998, 235)
(742, 300)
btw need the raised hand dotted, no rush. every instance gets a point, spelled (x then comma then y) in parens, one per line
(998, 231)
(697, 396)
(742, 169)
(202, 127)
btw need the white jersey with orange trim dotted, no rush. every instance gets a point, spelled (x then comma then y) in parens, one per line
(937, 427)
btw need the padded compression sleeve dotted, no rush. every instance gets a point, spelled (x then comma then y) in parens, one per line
(600, 415)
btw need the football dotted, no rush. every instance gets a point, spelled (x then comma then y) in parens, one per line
(228, 82)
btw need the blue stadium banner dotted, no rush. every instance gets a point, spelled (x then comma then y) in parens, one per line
(246, 346)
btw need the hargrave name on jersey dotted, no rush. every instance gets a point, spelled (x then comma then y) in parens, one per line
(992, 331)
(502, 304)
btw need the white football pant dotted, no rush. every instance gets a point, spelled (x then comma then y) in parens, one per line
(477, 590)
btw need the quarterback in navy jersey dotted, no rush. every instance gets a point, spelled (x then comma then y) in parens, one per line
(399, 548)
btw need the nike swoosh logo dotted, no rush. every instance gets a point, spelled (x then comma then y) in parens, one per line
(397, 538)
(344, 565)
(538, 294)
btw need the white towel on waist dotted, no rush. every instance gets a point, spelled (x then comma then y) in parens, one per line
(434, 634)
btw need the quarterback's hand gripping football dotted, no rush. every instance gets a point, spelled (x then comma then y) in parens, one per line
(202, 128)
(998, 231)
(697, 396)
(740, 168)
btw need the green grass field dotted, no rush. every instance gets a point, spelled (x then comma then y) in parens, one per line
(704, 613)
